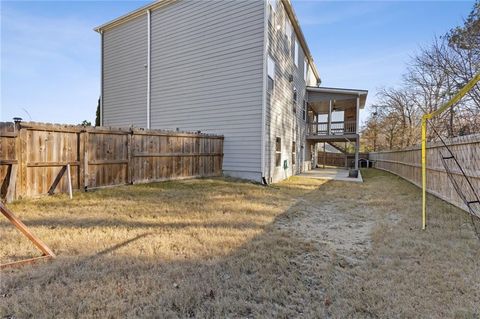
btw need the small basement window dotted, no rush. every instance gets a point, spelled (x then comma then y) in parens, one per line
(294, 152)
(278, 151)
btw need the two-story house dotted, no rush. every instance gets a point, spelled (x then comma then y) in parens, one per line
(242, 69)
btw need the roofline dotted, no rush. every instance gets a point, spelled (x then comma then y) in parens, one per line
(133, 14)
(337, 90)
(161, 3)
(301, 37)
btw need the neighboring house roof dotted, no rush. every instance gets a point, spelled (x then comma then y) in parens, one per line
(162, 3)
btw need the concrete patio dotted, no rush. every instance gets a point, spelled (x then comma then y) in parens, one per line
(337, 174)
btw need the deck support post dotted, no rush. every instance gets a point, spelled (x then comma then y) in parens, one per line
(357, 119)
(324, 153)
(329, 124)
(357, 147)
(357, 131)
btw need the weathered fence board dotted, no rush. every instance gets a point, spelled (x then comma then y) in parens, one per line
(407, 164)
(101, 157)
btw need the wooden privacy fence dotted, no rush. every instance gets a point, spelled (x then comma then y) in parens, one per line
(33, 154)
(339, 160)
(407, 164)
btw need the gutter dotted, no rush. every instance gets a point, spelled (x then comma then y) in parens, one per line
(336, 90)
(264, 93)
(101, 79)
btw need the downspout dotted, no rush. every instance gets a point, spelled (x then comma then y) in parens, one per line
(264, 94)
(148, 66)
(101, 78)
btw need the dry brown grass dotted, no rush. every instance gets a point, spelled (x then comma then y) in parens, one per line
(224, 248)
(186, 248)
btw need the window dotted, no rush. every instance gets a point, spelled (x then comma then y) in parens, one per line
(294, 100)
(305, 70)
(272, 8)
(288, 30)
(271, 75)
(278, 151)
(288, 35)
(294, 153)
(295, 56)
(304, 110)
(273, 4)
(271, 15)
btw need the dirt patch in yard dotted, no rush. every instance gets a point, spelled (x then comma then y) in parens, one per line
(222, 248)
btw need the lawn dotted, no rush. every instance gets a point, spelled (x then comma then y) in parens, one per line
(226, 248)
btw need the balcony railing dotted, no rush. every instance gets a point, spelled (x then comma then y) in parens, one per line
(336, 128)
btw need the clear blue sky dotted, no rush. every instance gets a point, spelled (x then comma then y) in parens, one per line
(50, 58)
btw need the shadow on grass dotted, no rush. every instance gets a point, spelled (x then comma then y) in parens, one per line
(266, 276)
(103, 222)
(274, 274)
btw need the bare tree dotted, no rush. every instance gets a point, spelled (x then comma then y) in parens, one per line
(432, 77)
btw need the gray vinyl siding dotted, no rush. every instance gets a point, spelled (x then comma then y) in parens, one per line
(281, 121)
(125, 75)
(207, 75)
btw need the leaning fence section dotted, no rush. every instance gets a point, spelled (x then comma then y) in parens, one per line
(33, 155)
(407, 164)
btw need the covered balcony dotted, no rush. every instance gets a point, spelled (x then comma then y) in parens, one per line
(334, 116)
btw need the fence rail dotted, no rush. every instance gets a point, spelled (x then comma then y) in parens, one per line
(33, 154)
(407, 164)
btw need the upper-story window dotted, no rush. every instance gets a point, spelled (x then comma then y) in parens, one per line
(295, 97)
(288, 34)
(295, 54)
(305, 70)
(272, 8)
(270, 75)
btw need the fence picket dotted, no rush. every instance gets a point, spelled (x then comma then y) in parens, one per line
(407, 164)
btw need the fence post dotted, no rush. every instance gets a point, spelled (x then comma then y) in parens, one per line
(81, 159)
(22, 161)
(130, 157)
(86, 175)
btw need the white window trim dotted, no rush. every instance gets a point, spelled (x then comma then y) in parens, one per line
(271, 65)
(295, 54)
(278, 152)
(305, 70)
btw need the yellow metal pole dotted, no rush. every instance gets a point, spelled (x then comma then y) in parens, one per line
(424, 171)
